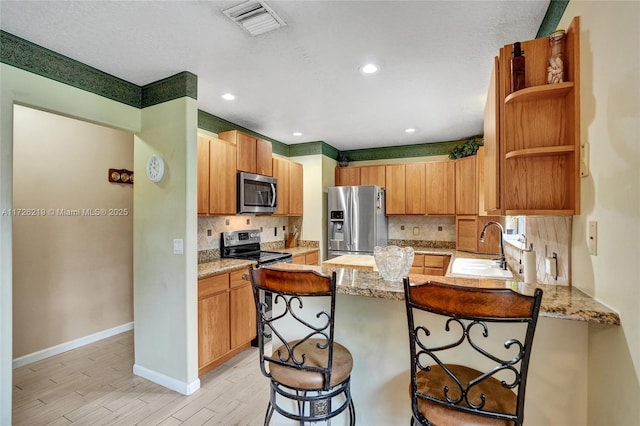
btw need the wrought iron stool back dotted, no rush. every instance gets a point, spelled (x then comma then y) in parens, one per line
(310, 373)
(487, 388)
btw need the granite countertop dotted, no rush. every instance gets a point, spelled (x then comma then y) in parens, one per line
(562, 302)
(219, 266)
(557, 302)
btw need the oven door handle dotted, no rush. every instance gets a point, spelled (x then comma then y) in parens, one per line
(275, 195)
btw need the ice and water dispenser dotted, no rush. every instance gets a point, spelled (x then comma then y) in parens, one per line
(336, 230)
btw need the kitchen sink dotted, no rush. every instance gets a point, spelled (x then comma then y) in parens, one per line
(479, 267)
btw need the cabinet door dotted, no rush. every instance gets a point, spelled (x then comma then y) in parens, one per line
(298, 260)
(347, 176)
(440, 187)
(246, 155)
(491, 175)
(466, 186)
(213, 327)
(281, 172)
(243, 315)
(395, 188)
(222, 177)
(311, 258)
(372, 175)
(415, 188)
(203, 175)
(295, 189)
(263, 158)
(467, 233)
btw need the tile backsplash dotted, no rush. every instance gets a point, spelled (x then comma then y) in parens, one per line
(548, 234)
(271, 228)
(429, 228)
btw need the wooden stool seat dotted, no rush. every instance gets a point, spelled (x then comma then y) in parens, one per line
(498, 398)
(315, 357)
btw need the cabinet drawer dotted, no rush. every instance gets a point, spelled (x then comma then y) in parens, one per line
(299, 259)
(212, 285)
(434, 261)
(434, 271)
(236, 280)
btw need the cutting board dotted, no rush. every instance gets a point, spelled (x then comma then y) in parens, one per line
(353, 261)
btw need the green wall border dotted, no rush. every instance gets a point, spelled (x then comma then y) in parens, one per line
(552, 17)
(170, 88)
(31, 57)
(28, 56)
(403, 151)
(212, 123)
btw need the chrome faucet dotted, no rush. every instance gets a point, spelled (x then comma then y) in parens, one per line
(503, 261)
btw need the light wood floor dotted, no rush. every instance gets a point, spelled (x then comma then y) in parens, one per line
(94, 385)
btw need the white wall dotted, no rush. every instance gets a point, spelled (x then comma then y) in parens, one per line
(165, 284)
(17, 86)
(313, 194)
(72, 275)
(610, 124)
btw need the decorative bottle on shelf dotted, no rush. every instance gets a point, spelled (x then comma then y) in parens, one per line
(555, 69)
(517, 68)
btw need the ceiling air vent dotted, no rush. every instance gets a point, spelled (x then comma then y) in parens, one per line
(255, 17)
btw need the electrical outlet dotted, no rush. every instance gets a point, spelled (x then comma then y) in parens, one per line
(208, 232)
(439, 227)
(226, 222)
(416, 230)
(248, 221)
(402, 227)
(592, 238)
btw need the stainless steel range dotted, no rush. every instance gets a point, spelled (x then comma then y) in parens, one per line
(246, 245)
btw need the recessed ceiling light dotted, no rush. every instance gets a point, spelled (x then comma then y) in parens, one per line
(228, 97)
(369, 69)
(410, 130)
(297, 134)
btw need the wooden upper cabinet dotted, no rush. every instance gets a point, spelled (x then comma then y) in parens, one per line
(347, 176)
(415, 188)
(203, 175)
(281, 172)
(395, 189)
(216, 176)
(222, 177)
(253, 154)
(372, 175)
(295, 189)
(440, 179)
(264, 153)
(466, 186)
(539, 133)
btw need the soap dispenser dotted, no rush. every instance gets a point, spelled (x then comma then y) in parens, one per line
(517, 68)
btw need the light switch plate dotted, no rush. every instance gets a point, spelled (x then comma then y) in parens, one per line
(416, 230)
(178, 246)
(592, 238)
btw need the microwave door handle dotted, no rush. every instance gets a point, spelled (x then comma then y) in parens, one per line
(275, 195)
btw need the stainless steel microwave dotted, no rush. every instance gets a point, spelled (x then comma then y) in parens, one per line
(256, 193)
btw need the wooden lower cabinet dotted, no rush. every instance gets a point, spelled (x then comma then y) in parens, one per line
(306, 259)
(430, 264)
(226, 318)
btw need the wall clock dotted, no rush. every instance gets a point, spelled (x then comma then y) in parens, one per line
(155, 168)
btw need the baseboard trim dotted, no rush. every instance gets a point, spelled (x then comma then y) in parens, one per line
(166, 381)
(73, 344)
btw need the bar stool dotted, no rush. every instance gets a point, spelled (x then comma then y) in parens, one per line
(488, 333)
(310, 373)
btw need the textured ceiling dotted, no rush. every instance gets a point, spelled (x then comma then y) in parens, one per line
(435, 59)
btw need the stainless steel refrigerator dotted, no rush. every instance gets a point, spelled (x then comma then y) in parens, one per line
(357, 221)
